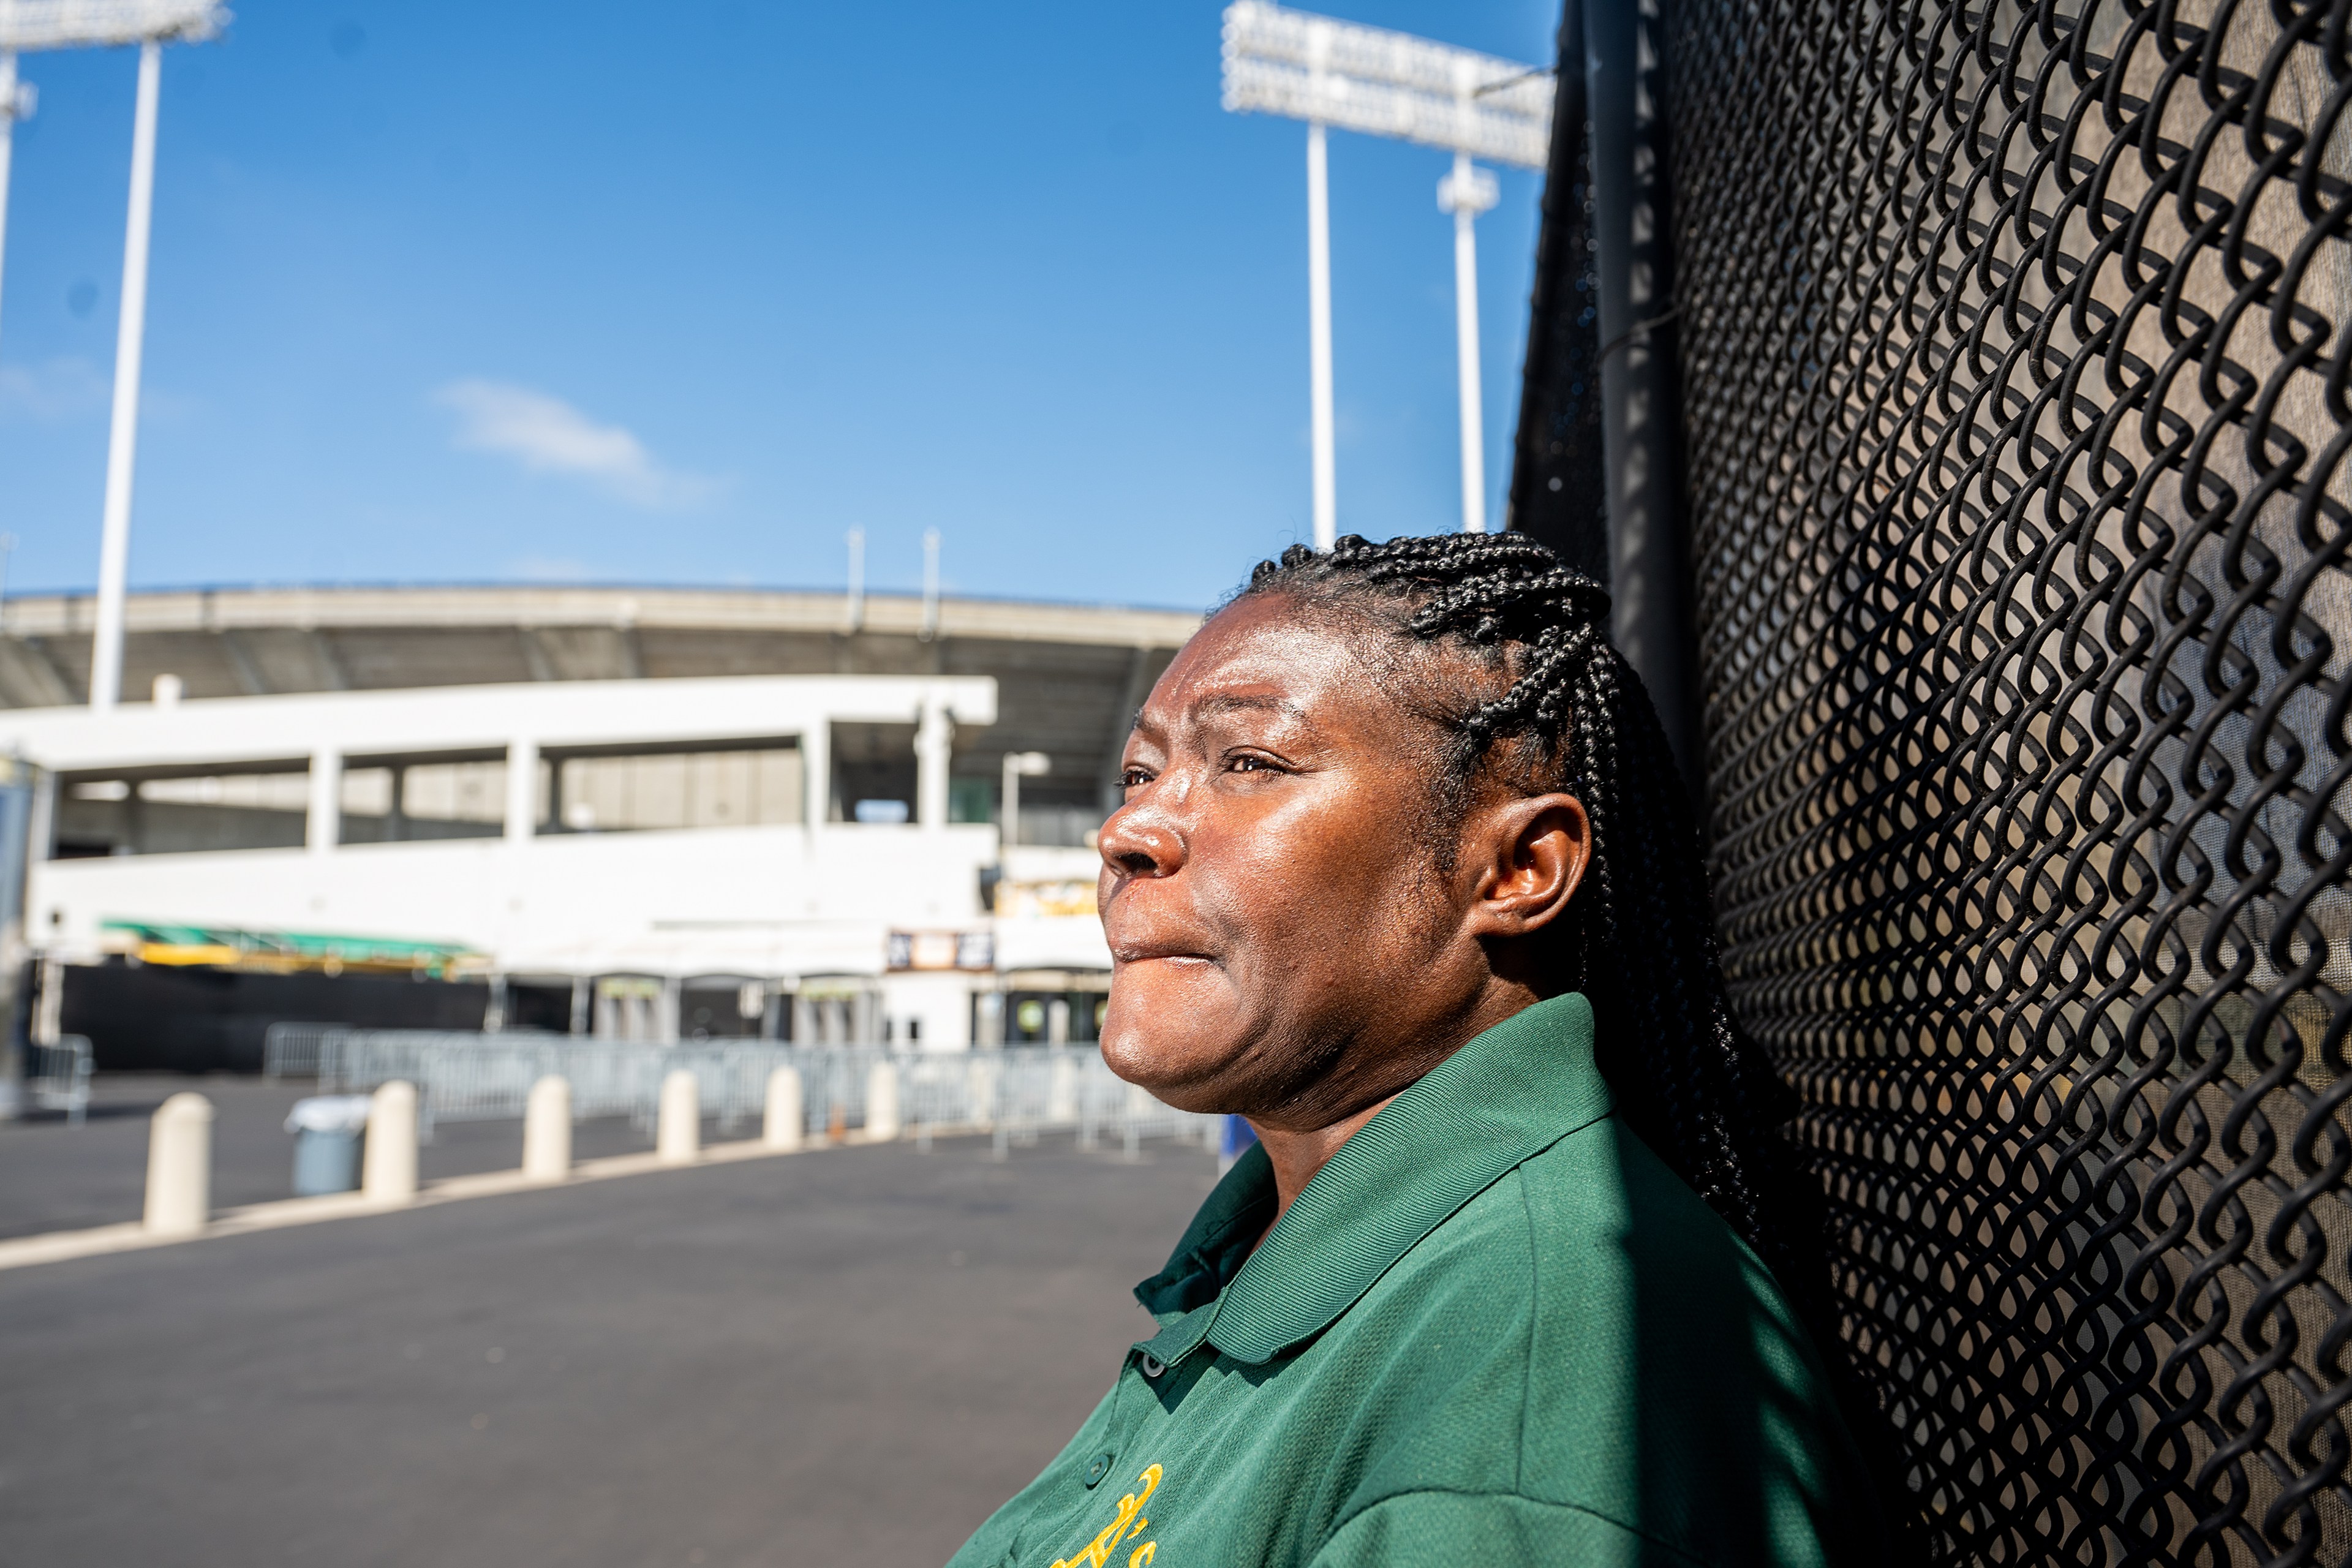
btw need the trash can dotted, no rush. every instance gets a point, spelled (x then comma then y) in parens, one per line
(327, 1130)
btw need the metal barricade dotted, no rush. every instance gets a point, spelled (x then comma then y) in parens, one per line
(1017, 1093)
(295, 1050)
(57, 1078)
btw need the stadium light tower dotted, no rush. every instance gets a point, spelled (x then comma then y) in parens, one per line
(1327, 72)
(26, 26)
(16, 100)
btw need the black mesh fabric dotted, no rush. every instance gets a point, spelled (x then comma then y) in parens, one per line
(2015, 378)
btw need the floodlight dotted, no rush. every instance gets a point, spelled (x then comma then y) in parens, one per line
(1305, 67)
(1469, 189)
(1330, 72)
(29, 24)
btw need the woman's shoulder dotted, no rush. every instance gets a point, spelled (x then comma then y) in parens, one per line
(1585, 1333)
(1671, 1387)
(1601, 1196)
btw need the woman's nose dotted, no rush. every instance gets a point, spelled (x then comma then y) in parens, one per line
(1135, 842)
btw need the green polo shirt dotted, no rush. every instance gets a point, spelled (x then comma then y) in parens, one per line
(1494, 1329)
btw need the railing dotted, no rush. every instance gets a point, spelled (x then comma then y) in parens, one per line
(1016, 1093)
(57, 1078)
(292, 1051)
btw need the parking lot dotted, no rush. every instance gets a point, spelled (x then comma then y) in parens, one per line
(855, 1352)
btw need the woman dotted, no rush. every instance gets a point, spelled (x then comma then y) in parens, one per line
(1404, 875)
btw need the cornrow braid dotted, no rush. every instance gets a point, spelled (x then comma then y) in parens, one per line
(1577, 719)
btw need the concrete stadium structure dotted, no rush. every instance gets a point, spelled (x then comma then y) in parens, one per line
(627, 810)
(1070, 674)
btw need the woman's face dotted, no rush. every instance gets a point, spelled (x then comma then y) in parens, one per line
(1283, 937)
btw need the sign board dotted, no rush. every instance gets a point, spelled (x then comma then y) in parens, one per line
(941, 949)
(1070, 896)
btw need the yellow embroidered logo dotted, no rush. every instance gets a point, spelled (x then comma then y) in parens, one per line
(1130, 1524)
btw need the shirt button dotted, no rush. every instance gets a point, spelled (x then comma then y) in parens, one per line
(1097, 1468)
(1152, 1366)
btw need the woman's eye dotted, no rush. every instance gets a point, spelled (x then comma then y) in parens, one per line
(1252, 765)
(1134, 778)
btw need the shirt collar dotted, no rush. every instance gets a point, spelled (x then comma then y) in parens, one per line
(1506, 1096)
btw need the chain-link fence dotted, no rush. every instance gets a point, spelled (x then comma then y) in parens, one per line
(2015, 356)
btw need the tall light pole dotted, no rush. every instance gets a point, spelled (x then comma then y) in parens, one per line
(17, 100)
(29, 24)
(1466, 192)
(1333, 73)
(122, 436)
(1318, 336)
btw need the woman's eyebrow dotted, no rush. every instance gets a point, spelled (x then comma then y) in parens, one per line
(1209, 706)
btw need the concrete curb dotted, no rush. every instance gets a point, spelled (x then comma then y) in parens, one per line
(62, 1246)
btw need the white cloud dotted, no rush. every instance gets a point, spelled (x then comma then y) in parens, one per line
(54, 389)
(548, 435)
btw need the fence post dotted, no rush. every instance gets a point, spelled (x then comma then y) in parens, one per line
(547, 1130)
(679, 1138)
(1641, 388)
(783, 1125)
(983, 1078)
(180, 1165)
(388, 1175)
(882, 1103)
(1138, 1105)
(1062, 1091)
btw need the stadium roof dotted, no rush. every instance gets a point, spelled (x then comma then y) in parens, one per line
(1070, 675)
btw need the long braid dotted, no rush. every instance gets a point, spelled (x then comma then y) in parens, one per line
(1689, 1081)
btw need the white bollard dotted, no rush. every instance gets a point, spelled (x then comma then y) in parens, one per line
(388, 1172)
(180, 1165)
(678, 1138)
(547, 1130)
(1062, 1093)
(786, 1115)
(882, 1103)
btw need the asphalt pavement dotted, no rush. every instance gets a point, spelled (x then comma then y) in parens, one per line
(851, 1354)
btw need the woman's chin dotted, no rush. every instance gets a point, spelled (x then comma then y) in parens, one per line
(1178, 1058)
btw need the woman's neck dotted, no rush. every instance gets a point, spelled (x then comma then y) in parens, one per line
(1298, 1154)
(1296, 1157)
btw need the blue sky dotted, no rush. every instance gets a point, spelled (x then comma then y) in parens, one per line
(463, 292)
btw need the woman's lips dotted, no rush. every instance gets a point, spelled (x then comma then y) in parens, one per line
(1147, 953)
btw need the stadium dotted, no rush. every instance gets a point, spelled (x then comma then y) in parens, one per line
(735, 812)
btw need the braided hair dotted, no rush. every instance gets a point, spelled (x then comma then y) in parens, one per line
(1575, 718)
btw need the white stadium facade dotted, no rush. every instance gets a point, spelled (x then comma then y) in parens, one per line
(632, 812)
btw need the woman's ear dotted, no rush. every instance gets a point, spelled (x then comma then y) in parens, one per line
(1525, 856)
